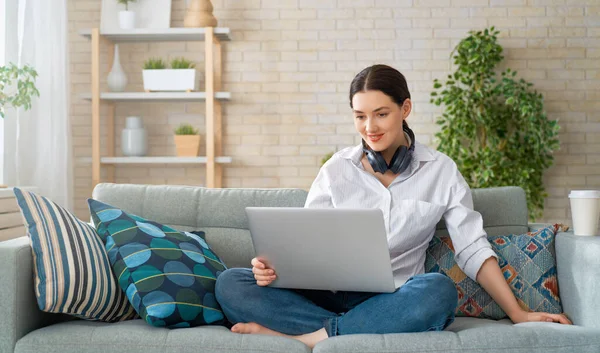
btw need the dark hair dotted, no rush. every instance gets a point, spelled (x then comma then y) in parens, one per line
(381, 78)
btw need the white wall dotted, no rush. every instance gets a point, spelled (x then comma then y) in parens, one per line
(289, 66)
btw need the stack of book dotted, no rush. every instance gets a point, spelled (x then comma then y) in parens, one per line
(11, 221)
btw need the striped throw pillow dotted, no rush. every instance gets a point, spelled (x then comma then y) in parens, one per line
(72, 272)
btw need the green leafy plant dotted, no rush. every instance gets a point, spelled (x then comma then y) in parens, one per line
(17, 87)
(154, 64)
(494, 126)
(182, 63)
(126, 3)
(186, 129)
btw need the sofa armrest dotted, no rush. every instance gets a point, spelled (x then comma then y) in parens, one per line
(578, 267)
(19, 312)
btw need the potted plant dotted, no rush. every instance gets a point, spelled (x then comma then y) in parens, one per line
(17, 87)
(180, 77)
(126, 18)
(494, 128)
(187, 141)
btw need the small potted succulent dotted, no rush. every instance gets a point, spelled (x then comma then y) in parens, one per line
(126, 18)
(187, 141)
(180, 77)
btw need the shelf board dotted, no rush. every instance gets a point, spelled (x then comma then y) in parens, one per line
(159, 34)
(156, 160)
(161, 160)
(156, 96)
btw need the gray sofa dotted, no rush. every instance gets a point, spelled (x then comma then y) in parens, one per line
(220, 212)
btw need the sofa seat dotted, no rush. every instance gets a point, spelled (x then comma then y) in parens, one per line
(469, 335)
(136, 336)
(464, 335)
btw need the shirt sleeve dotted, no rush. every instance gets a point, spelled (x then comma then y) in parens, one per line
(319, 195)
(465, 225)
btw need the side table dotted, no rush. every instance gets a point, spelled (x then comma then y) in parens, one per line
(578, 267)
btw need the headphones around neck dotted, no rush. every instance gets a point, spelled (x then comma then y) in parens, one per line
(400, 160)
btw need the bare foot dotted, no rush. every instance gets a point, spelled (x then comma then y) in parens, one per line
(253, 327)
(309, 339)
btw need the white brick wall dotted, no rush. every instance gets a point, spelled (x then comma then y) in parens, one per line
(290, 64)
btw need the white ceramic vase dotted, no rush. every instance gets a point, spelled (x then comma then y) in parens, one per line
(134, 139)
(116, 80)
(127, 19)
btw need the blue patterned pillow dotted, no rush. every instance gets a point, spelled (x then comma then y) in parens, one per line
(72, 272)
(527, 261)
(169, 276)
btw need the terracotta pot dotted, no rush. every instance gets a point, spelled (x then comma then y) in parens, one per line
(199, 14)
(187, 145)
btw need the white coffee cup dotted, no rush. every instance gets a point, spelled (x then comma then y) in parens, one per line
(585, 210)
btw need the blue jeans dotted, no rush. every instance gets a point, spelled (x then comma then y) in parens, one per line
(426, 302)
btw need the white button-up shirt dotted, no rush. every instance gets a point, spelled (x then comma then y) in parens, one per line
(412, 205)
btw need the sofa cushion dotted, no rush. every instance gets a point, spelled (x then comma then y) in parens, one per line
(476, 336)
(72, 272)
(527, 261)
(463, 335)
(135, 336)
(169, 276)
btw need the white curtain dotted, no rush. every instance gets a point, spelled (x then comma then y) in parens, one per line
(42, 148)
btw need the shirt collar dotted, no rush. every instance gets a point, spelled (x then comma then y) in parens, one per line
(422, 153)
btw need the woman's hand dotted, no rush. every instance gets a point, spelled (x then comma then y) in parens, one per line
(525, 316)
(263, 274)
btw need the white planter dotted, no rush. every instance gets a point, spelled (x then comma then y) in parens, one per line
(127, 19)
(170, 80)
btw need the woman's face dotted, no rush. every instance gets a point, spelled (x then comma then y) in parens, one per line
(378, 120)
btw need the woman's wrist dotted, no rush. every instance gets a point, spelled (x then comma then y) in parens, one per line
(517, 315)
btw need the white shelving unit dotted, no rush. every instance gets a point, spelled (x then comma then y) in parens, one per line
(156, 160)
(156, 96)
(161, 160)
(211, 96)
(160, 35)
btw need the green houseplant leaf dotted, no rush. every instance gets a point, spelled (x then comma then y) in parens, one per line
(494, 128)
(154, 64)
(182, 63)
(126, 3)
(186, 129)
(17, 87)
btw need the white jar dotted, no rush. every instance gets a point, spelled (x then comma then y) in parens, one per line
(134, 139)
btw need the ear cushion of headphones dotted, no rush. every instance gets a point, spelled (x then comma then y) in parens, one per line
(404, 162)
(399, 160)
(376, 161)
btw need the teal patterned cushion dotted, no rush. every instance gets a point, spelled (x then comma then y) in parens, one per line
(72, 272)
(527, 261)
(169, 276)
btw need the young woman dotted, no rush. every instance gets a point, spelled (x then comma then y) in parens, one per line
(415, 187)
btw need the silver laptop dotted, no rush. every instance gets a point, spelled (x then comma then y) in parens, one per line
(329, 249)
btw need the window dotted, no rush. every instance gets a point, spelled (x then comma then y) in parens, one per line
(2, 61)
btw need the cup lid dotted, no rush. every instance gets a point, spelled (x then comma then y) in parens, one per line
(585, 194)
